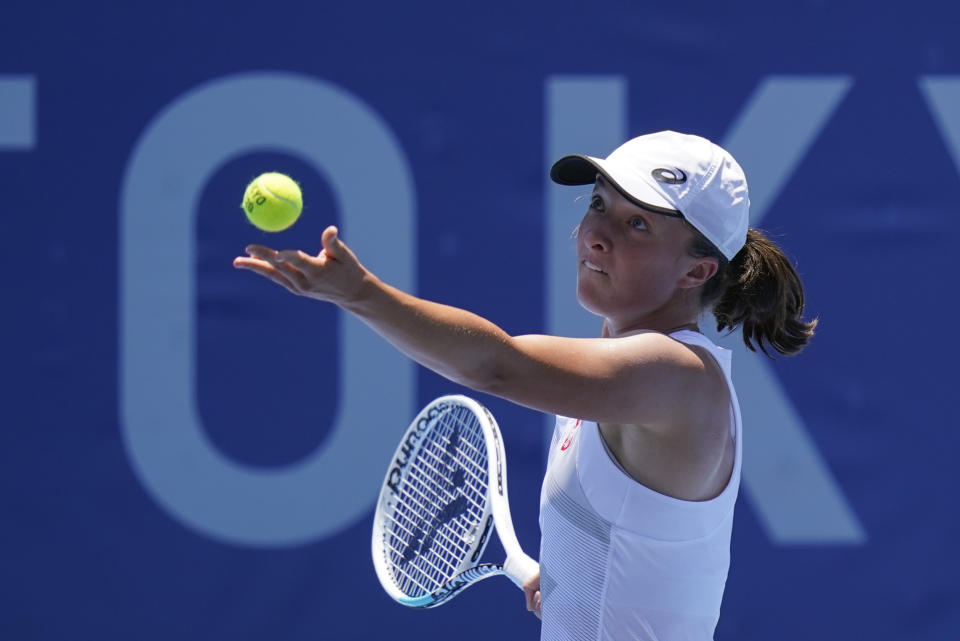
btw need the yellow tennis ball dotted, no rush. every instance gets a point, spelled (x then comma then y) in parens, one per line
(272, 201)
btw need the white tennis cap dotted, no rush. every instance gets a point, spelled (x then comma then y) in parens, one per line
(675, 175)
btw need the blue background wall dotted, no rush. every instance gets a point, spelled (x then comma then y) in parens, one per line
(168, 453)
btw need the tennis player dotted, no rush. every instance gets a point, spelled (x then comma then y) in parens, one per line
(643, 473)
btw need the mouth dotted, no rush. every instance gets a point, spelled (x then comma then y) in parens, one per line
(592, 267)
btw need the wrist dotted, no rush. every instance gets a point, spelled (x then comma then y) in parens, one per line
(363, 296)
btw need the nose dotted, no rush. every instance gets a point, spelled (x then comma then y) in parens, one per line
(593, 234)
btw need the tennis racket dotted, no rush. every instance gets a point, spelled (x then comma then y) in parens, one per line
(445, 487)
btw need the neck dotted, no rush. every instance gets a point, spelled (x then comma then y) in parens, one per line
(667, 319)
(612, 330)
(680, 311)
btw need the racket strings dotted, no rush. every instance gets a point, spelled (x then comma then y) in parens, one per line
(412, 532)
(441, 502)
(481, 482)
(442, 505)
(410, 577)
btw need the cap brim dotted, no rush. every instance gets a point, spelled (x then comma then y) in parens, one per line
(577, 169)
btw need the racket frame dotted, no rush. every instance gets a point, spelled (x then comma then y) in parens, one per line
(518, 566)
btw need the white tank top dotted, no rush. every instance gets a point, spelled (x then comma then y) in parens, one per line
(620, 561)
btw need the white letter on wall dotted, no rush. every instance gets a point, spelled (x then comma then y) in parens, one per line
(179, 151)
(18, 128)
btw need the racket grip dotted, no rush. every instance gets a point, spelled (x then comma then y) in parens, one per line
(520, 568)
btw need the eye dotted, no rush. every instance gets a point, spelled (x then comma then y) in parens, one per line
(638, 223)
(596, 202)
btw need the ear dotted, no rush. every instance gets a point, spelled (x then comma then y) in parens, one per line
(700, 271)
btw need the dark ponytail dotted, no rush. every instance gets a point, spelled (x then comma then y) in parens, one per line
(759, 290)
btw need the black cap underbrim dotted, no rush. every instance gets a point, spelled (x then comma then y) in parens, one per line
(577, 169)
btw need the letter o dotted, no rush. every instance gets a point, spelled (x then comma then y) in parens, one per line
(172, 161)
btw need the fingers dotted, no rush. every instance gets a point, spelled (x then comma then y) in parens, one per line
(304, 274)
(532, 584)
(259, 251)
(271, 264)
(265, 269)
(303, 262)
(334, 247)
(531, 590)
(533, 601)
(331, 241)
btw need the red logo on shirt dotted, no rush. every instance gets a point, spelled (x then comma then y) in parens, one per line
(566, 441)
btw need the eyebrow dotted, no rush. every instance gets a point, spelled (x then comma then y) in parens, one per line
(606, 184)
(650, 209)
(602, 182)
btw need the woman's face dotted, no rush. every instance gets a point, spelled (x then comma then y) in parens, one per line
(632, 263)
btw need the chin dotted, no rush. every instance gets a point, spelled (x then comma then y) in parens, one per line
(588, 302)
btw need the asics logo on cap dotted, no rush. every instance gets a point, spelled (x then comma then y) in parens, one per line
(669, 176)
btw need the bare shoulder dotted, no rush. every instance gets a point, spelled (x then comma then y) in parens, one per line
(689, 375)
(645, 378)
(661, 349)
(683, 448)
(702, 365)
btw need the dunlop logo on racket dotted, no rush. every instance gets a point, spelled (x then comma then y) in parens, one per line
(438, 503)
(407, 446)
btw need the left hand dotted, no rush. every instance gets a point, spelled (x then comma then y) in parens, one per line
(531, 591)
(334, 275)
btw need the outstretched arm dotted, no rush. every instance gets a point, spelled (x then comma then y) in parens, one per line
(594, 379)
(453, 342)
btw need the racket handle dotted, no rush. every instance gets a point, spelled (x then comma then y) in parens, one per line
(520, 568)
